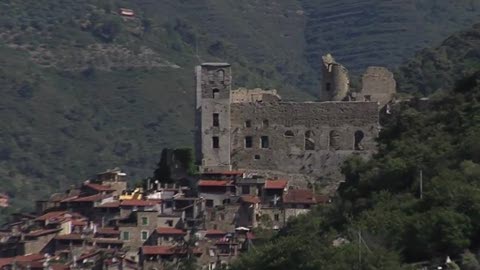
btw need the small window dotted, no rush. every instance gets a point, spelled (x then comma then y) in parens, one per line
(215, 93)
(216, 121)
(245, 190)
(248, 123)
(215, 142)
(222, 217)
(289, 134)
(328, 86)
(209, 203)
(248, 142)
(126, 236)
(144, 235)
(144, 220)
(256, 157)
(276, 217)
(264, 142)
(358, 136)
(265, 123)
(170, 223)
(367, 98)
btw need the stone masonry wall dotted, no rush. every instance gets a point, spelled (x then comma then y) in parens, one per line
(303, 138)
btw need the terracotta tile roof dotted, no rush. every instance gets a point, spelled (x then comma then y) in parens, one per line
(276, 184)
(108, 230)
(59, 267)
(250, 199)
(138, 203)
(98, 187)
(170, 230)
(92, 198)
(79, 222)
(88, 255)
(215, 232)
(304, 196)
(25, 258)
(72, 236)
(158, 250)
(67, 199)
(213, 183)
(109, 205)
(165, 250)
(51, 215)
(39, 233)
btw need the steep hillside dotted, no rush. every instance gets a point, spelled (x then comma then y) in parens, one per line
(382, 218)
(84, 88)
(440, 67)
(375, 32)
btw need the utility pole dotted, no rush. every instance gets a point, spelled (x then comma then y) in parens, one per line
(359, 250)
(421, 184)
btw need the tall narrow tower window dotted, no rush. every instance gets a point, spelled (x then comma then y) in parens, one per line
(221, 75)
(248, 142)
(309, 140)
(215, 93)
(216, 121)
(328, 86)
(264, 143)
(215, 142)
(358, 136)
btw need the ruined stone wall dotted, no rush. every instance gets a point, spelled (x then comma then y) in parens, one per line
(378, 84)
(302, 138)
(243, 95)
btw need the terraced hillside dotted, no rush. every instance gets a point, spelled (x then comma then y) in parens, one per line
(84, 89)
(376, 32)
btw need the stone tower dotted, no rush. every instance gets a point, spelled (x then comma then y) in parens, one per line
(378, 84)
(213, 87)
(335, 84)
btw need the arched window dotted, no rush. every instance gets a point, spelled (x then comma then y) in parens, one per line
(358, 140)
(220, 75)
(334, 137)
(215, 93)
(289, 134)
(309, 140)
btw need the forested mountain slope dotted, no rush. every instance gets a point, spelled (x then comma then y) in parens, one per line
(84, 89)
(440, 67)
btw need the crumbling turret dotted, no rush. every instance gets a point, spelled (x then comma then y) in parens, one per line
(336, 82)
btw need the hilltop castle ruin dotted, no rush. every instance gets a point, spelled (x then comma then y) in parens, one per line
(255, 130)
